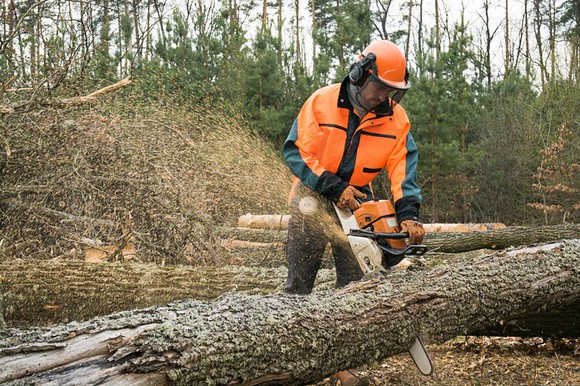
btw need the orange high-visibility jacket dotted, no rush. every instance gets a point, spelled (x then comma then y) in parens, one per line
(329, 148)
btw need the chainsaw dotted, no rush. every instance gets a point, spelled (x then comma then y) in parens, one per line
(377, 243)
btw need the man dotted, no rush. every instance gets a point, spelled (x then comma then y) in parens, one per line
(344, 135)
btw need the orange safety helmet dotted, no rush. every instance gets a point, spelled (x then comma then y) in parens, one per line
(385, 62)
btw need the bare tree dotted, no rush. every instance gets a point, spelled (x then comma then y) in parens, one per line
(507, 40)
(264, 15)
(382, 16)
(538, 21)
(489, 35)
(138, 43)
(409, 28)
(552, 25)
(297, 16)
(420, 29)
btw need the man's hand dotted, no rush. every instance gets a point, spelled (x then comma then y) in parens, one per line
(415, 230)
(347, 199)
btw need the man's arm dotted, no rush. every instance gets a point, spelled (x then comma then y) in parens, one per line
(402, 169)
(299, 152)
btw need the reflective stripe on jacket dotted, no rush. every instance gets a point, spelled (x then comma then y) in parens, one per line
(329, 148)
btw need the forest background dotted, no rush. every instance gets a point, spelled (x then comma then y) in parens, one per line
(493, 107)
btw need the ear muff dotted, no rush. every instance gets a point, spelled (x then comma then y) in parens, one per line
(359, 70)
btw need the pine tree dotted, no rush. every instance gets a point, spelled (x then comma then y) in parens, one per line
(443, 111)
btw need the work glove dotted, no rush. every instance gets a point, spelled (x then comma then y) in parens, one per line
(347, 199)
(415, 230)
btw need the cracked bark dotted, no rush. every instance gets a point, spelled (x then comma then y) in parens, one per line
(296, 339)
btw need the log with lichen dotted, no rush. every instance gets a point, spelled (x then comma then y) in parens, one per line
(287, 339)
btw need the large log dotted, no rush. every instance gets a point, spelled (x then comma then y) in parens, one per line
(254, 339)
(442, 242)
(41, 292)
(44, 292)
(504, 238)
(280, 222)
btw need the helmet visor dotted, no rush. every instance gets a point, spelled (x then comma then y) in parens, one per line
(379, 97)
(395, 94)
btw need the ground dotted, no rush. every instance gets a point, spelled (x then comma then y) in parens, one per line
(485, 361)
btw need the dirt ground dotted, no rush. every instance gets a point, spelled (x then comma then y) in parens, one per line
(485, 361)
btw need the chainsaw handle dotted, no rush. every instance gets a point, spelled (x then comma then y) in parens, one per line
(379, 235)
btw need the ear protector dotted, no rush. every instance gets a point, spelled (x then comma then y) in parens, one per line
(359, 70)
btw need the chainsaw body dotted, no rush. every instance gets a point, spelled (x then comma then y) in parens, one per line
(374, 236)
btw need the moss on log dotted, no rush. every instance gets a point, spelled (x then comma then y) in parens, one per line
(295, 339)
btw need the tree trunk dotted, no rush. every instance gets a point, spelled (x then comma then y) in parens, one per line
(503, 238)
(41, 292)
(507, 40)
(456, 242)
(538, 21)
(294, 339)
(556, 323)
(409, 23)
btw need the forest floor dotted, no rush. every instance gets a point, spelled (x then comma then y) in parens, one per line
(485, 361)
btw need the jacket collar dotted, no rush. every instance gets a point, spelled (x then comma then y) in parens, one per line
(343, 99)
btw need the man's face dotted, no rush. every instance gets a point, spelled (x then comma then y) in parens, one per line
(375, 93)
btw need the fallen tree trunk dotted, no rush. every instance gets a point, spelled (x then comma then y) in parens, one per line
(443, 242)
(41, 292)
(44, 292)
(504, 238)
(559, 322)
(273, 339)
(280, 222)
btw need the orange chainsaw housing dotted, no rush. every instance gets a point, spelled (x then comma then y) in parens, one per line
(379, 216)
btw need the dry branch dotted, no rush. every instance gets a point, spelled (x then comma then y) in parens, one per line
(296, 339)
(92, 96)
(8, 109)
(57, 214)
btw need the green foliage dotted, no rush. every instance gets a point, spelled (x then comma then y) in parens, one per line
(481, 139)
(343, 30)
(273, 98)
(508, 133)
(443, 111)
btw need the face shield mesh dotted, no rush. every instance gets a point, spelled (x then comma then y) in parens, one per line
(394, 94)
(381, 99)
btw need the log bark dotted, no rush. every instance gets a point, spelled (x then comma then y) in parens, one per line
(280, 222)
(42, 292)
(441, 242)
(275, 339)
(504, 238)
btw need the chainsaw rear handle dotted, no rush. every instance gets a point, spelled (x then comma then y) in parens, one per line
(415, 250)
(378, 235)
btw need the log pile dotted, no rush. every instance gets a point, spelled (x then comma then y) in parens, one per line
(41, 292)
